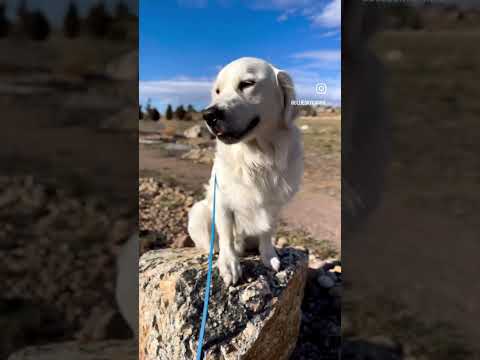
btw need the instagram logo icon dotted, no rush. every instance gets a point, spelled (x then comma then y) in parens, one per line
(321, 88)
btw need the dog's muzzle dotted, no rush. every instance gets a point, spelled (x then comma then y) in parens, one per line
(212, 116)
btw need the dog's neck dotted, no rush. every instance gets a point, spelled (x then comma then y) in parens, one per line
(271, 151)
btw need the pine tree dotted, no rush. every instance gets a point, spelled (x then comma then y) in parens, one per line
(71, 23)
(169, 112)
(4, 23)
(22, 9)
(190, 108)
(180, 112)
(98, 20)
(22, 16)
(140, 112)
(154, 114)
(122, 11)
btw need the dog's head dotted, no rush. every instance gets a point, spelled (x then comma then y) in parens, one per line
(250, 97)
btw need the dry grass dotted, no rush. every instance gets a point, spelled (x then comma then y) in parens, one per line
(322, 148)
(435, 164)
(434, 76)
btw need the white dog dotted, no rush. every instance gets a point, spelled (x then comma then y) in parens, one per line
(258, 163)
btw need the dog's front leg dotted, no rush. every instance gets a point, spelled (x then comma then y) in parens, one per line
(267, 252)
(228, 261)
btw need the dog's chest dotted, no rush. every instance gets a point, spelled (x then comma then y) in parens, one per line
(250, 186)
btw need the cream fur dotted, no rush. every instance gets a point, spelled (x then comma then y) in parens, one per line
(257, 176)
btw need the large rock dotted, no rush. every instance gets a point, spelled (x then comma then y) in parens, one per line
(198, 131)
(101, 350)
(257, 319)
(193, 132)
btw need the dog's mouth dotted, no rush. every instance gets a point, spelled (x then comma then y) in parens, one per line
(232, 138)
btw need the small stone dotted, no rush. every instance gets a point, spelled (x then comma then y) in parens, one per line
(281, 276)
(282, 242)
(337, 269)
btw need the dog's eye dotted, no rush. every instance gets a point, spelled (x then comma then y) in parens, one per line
(245, 84)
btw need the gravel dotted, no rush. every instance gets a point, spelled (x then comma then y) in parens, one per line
(163, 215)
(319, 337)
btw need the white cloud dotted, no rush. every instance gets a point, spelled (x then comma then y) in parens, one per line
(176, 91)
(282, 18)
(330, 33)
(313, 67)
(330, 16)
(317, 12)
(320, 55)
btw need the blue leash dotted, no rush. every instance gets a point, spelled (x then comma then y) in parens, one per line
(209, 276)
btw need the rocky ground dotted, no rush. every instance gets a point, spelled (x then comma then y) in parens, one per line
(163, 211)
(57, 260)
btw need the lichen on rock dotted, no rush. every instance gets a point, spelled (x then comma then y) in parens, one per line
(257, 319)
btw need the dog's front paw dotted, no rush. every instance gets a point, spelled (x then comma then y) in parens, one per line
(269, 256)
(230, 268)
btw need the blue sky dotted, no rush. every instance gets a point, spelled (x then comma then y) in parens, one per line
(184, 43)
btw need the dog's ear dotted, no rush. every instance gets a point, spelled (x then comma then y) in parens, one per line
(288, 90)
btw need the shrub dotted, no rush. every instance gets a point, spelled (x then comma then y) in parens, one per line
(71, 23)
(140, 112)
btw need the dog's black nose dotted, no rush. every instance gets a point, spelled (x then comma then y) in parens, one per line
(212, 114)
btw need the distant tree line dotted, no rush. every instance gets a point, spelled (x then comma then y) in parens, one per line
(98, 22)
(180, 113)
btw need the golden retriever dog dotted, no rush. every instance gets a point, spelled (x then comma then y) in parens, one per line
(258, 163)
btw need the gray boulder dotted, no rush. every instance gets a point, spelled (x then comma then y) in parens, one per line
(257, 319)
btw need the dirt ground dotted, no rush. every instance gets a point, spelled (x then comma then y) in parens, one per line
(315, 209)
(431, 198)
